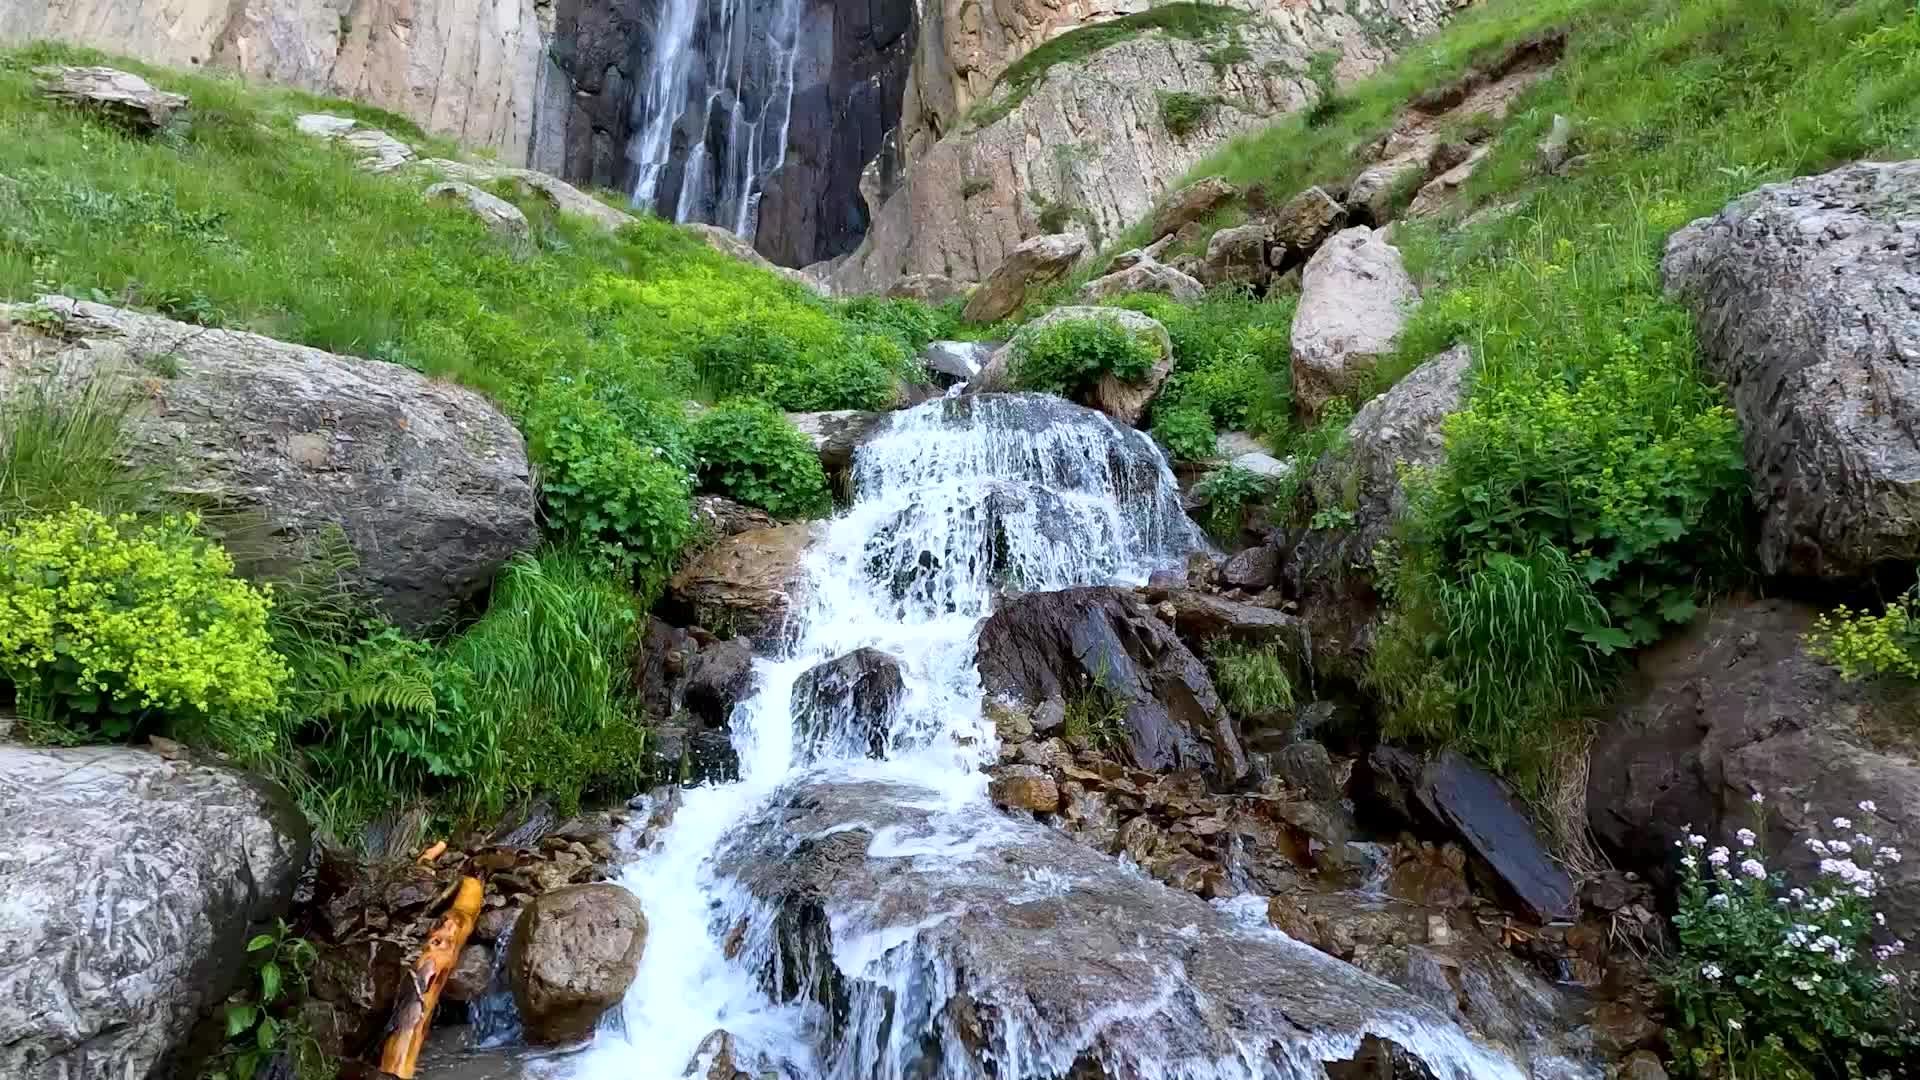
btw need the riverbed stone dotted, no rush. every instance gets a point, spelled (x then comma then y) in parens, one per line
(573, 954)
(848, 703)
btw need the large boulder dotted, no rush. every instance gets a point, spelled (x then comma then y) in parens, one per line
(130, 886)
(428, 482)
(501, 217)
(1144, 276)
(573, 954)
(1104, 643)
(741, 585)
(694, 743)
(846, 706)
(121, 95)
(1126, 402)
(952, 362)
(1035, 262)
(1354, 299)
(1330, 571)
(1301, 224)
(562, 196)
(1804, 296)
(1238, 256)
(1192, 203)
(1736, 706)
(1466, 800)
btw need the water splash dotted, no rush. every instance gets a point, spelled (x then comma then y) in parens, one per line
(885, 966)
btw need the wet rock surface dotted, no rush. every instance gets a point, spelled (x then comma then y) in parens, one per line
(847, 704)
(1055, 952)
(741, 584)
(1804, 294)
(574, 952)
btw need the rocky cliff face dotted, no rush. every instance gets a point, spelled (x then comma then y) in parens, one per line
(1089, 148)
(850, 77)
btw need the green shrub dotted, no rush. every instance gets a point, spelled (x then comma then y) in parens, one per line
(123, 627)
(1184, 112)
(1186, 431)
(1232, 357)
(1253, 680)
(1860, 643)
(1227, 494)
(863, 372)
(603, 487)
(911, 323)
(1783, 980)
(1070, 356)
(749, 452)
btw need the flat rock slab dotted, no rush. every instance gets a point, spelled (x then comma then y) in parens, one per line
(1466, 799)
(122, 95)
(379, 152)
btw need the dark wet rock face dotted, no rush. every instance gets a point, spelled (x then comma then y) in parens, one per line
(1103, 644)
(847, 704)
(1467, 800)
(574, 952)
(1041, 951)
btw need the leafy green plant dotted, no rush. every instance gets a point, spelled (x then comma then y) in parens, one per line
(1776, 979)
(1232, 357)
(1096, 717)
(1327, 102)
(63, 443)
(125, 627)
(1186, 431)
(259, 1020)
(1860, 643)
(1227, 493)
(1070, 356)
(748, 451)
(604, 488)
(911, 323)
(1331, 517)
(863, 372)
(1253, 679)
(1183, 112)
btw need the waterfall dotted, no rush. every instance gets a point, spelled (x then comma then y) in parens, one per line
(711, 111)
(863, 919)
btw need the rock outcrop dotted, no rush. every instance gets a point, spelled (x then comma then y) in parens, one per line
(427, 482)
(1125, 402)
(1735, 706)
(1105, 646)
(1329, 572)
(1033, 262)
(501, 217)
(378, 151)
(1805, 295)
(835, 435)
(1144, 276)
(741, 585)
(121, 96)
(1354, 300)
(131, 885)
(574, 952)
(1088, 142)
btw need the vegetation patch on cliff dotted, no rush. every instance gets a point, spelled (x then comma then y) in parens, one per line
(1187, 21)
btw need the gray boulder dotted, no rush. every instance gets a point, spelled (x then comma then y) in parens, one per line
(121, 95)
(741, 585)
(1805, 298)
(1302, 224)
(428, 482)
(1468, 801)
(1035, 262)
(1735, 705)
(1102, 641)
(1144, 276)
(573, 954)
(1329, 571)
(130, 888)
(1238, 256)
(836, 434)
(847, 704)
(1354, 299)
(501, 217)
(951, 362)
(378, 151)
(1192, 203)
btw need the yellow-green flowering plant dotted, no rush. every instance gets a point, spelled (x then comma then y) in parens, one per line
(119, 624)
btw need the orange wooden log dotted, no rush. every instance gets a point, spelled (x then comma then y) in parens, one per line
(414, 1013)
(438, 849)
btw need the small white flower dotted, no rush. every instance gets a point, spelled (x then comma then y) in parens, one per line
(1711, 971)
(1886, 856)
(1840, 846)
(1717, 900)
(1842, 824)
(1867, 807)
(1889, 979)
(1797, 894)
(1753, 869)
(1696, 840)
(1879, 919)
(1802, 984)
(1746, 837)
(1689, 861)
(1816, 845)
(1759, 798)
(1734, 1024)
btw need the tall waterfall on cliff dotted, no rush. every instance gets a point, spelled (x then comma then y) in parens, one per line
(711, 111)
(845, 917)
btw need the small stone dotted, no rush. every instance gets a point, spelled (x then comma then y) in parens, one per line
(1439, 933)
(501, 217)
(472, 975)
(1643, 1065)
(1025, 787)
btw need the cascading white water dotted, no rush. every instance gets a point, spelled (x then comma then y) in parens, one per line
(953, 502)
(726, 60)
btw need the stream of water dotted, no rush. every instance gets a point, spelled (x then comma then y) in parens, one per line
(953, 502)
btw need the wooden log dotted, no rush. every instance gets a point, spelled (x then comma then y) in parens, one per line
(438, 849)
(413, 1015)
